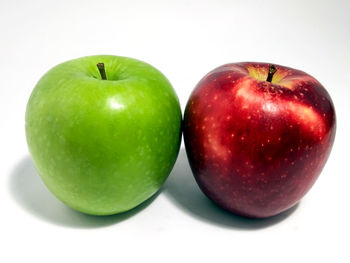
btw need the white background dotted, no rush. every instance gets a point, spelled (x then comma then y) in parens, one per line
(185, 40)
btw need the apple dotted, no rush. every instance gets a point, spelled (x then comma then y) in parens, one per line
(103, 132)
(257, 136)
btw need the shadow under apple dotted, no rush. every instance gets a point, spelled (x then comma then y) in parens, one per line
(182, 189)
(27, 188)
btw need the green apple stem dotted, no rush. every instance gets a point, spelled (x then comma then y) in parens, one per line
(101, 68)
(272, 71)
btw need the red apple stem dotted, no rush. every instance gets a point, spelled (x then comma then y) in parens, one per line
(272, 71)
(101, 68)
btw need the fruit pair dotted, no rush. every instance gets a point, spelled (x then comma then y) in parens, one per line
(104, 133)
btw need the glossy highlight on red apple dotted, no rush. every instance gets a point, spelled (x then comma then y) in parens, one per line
(257, 136)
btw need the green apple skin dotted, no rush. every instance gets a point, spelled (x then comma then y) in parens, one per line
(103, 146)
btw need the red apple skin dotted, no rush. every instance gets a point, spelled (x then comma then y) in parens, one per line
(256, 147)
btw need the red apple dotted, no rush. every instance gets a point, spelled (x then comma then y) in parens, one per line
(258, 136)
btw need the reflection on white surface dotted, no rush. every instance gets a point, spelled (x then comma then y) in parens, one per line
(115, 104)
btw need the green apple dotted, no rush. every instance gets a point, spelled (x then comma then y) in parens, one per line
(103, 132)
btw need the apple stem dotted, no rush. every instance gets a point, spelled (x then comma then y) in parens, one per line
(272, 71)
(101, 68)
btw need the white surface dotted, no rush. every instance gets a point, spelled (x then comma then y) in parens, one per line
(184, 39)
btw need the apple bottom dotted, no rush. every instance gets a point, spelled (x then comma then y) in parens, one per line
(254, 195)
